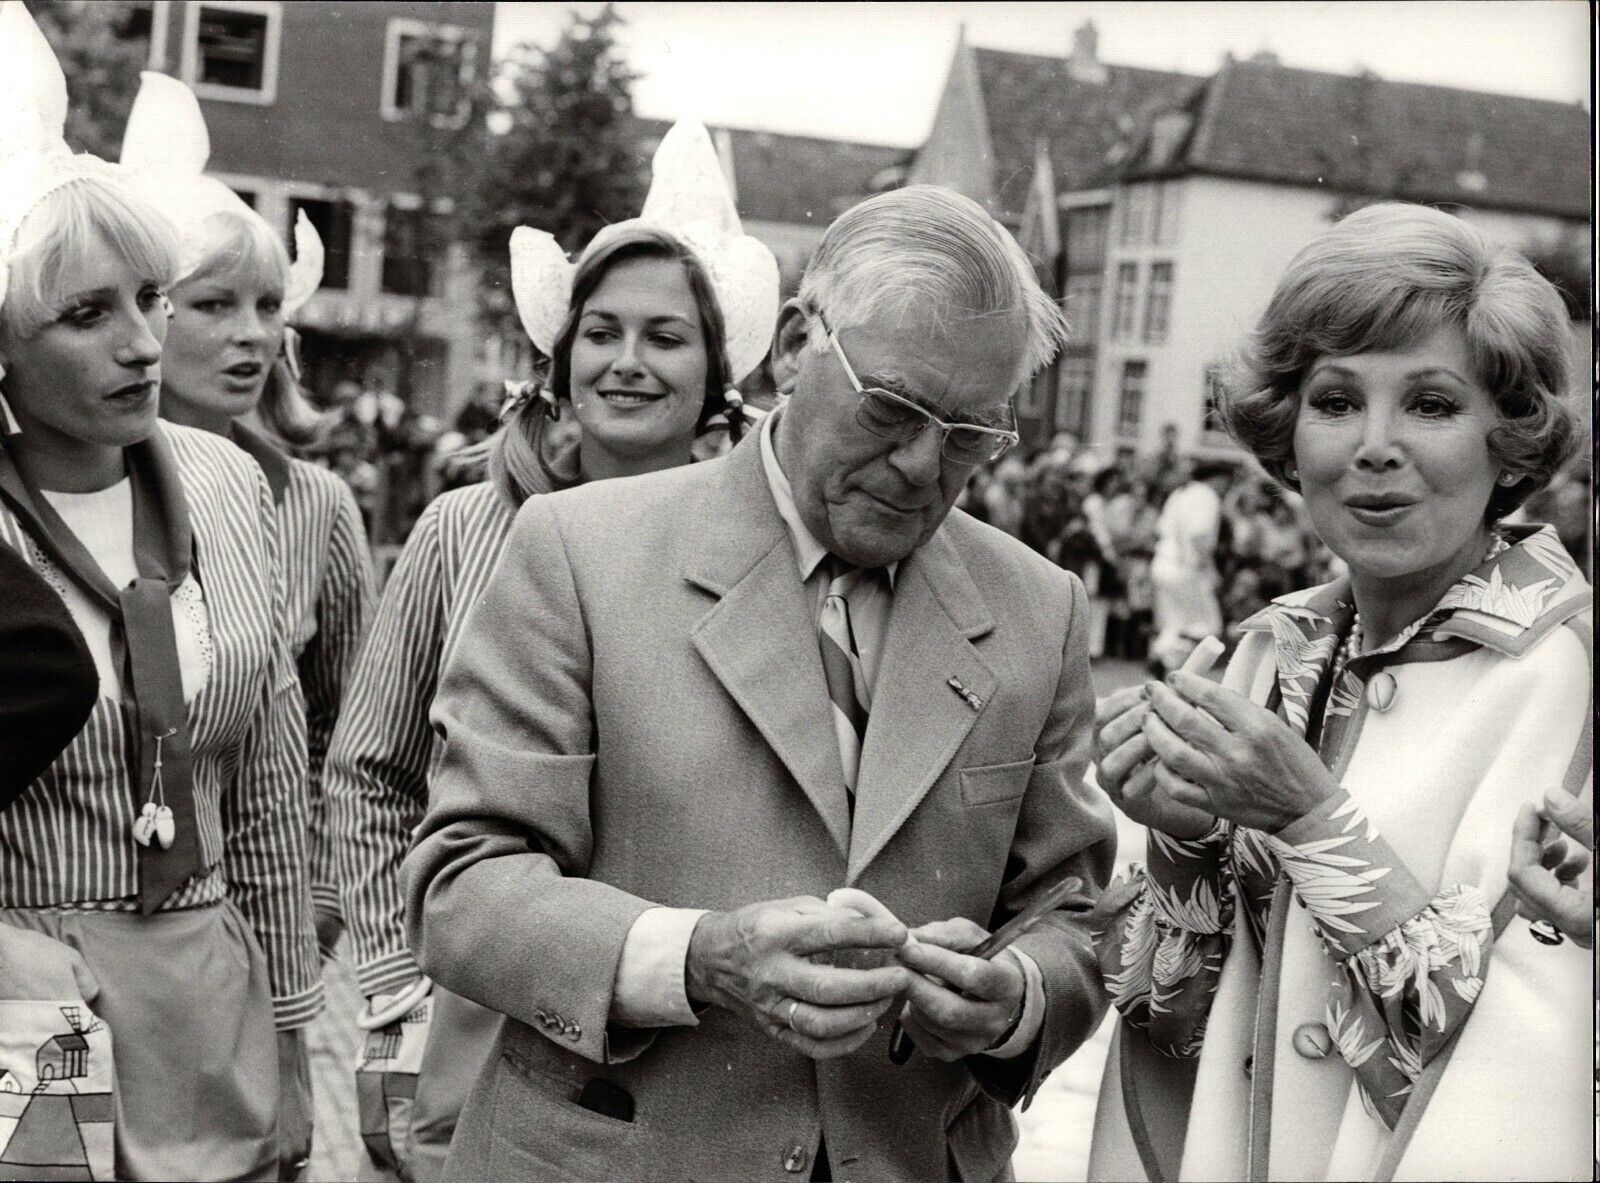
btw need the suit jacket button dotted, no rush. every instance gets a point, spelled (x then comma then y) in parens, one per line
(795, 1161)
(573, 1031)
(1312, 1041)
(542, 1017)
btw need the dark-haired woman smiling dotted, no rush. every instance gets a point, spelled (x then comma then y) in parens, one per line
(645, 337)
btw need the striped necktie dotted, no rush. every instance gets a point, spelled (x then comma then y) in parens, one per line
(841, 667)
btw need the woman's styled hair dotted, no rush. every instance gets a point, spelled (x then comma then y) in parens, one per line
(63, 232)
(236, 244)
(1386, 277)
(516, 459)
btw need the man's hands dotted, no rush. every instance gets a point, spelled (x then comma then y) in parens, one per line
(957, 1005)
(1552, 878)
(756, 961)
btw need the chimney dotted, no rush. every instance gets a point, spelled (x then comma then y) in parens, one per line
(1084, 63)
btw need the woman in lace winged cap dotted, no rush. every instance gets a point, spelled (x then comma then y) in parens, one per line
(645, 337)
(1320, 970)
(164, 847)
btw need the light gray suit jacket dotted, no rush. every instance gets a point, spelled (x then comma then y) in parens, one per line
(635, 714)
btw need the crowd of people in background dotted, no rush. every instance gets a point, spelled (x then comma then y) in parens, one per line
(1100, 516)
(1093, 512)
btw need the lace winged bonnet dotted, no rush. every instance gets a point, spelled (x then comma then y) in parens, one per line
(34, 158)
(688, 199)
(164, 151)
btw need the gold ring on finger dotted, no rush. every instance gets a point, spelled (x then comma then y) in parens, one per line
(794, 1005)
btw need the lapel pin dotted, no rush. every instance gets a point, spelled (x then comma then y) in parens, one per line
(971, 699)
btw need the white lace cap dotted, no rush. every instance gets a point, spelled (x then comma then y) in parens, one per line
(690, 200)
(165, 149)
(34, 157)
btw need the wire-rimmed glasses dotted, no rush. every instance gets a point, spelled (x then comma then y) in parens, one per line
(893, 417)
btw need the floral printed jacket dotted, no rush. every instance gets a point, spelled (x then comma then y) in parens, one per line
(1382, 901)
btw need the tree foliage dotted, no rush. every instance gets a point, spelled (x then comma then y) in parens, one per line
(564, 157)
(101, 48)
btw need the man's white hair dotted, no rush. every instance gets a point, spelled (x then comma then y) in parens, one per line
(928, 252)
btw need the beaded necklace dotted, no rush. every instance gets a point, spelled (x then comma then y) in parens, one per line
(1351, 646)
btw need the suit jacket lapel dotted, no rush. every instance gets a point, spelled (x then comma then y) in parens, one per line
(919, 718)
(760, 638)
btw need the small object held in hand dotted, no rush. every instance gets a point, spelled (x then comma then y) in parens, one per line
(1051, 900)
(1203, 656)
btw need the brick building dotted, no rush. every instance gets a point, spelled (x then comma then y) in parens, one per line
(333, 108)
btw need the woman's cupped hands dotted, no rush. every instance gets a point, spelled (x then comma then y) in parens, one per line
(1177, 755)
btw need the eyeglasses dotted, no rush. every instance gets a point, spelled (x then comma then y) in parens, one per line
(893, 417)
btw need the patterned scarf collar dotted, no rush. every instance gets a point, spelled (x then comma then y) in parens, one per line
(1505, 603)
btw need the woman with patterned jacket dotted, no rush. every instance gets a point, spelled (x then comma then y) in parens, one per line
(1320, 970)
(645, 336)
(165, 846)
(228, 369)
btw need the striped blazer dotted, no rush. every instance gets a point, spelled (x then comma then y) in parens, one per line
(67, 840)
(328, 595)
(383, 750)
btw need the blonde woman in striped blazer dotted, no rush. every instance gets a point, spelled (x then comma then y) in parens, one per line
(640, 363)
(229, 369)
(166, 845)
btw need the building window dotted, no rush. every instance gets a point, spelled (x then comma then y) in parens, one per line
(1082, 306)
(1164, 215)
(1158, 303)
(411, 245)
(428, 70)
(230, 49)
(1211, 418)
(1032, 394)
(1135, 214)
(334, 220)
(1124, 301)
(1130, 399)
(1072, 395)
(1086, 231)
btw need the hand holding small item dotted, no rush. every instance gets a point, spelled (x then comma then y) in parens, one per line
(1218, 752)
(957, 1004)
(1553, 879)
(1125, 764)
(762, 961)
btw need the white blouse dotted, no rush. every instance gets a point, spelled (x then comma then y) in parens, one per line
(103, 522)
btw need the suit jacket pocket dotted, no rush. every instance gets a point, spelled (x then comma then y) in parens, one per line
(995, 783)
(539, 1131)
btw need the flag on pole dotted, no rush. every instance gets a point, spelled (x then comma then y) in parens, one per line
(1040, 232)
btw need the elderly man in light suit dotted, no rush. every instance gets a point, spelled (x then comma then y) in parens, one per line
(691, 705)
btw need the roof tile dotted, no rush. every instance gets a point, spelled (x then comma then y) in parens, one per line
(1367, 135)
